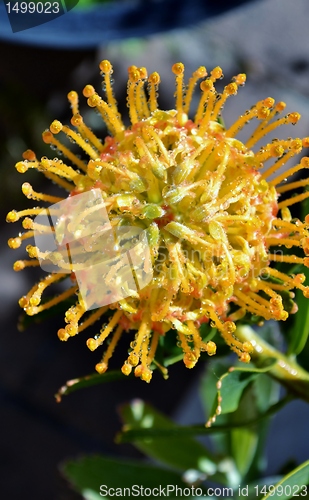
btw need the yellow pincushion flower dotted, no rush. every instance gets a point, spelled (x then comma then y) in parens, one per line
(211, 217)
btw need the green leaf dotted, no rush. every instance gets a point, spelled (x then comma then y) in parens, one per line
(267, 392)
(232, 383)
(247, 444)
(285, 369)
(215, 368)
(243, 446)
(243, 391)
(93, 476)
(266, 396)
(300, 326)
(208, 393)
(179, 452)
(130, 435)
(88, 381)
(86, 4)
(293, 485)
(243, 442)
(251, 490)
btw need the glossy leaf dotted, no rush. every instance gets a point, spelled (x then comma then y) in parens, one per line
(130, 435)
(300, 326)
(266, 393)
(244, 444)
(232, 383)
(251, 490)
(88, 381)
(179, 452)
(294, 484)
(93, 476)
(235, 395)
(299, 330)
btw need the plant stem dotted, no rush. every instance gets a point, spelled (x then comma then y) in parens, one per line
(286, 370)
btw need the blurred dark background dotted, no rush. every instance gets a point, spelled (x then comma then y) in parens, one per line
(269, 40)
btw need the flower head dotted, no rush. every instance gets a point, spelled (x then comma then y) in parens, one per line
(213, 220)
